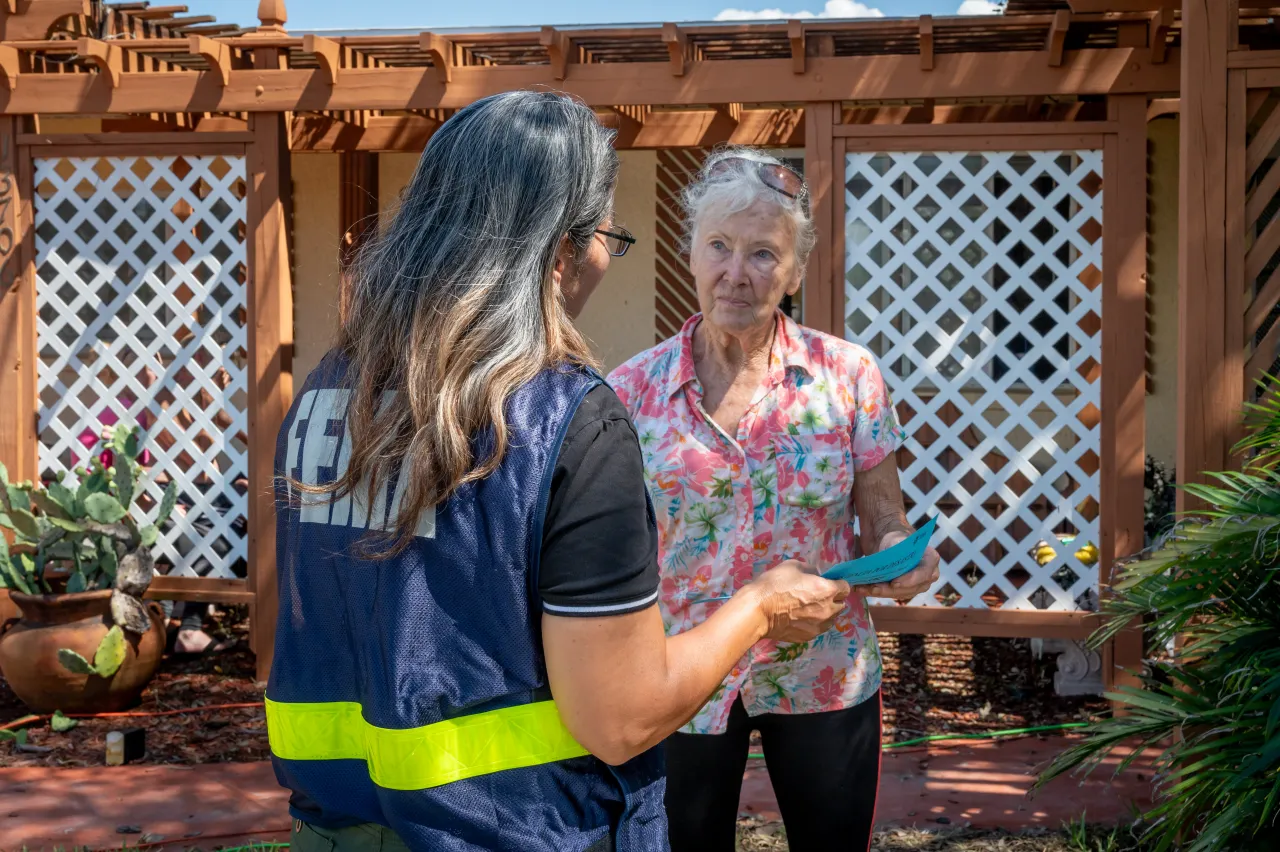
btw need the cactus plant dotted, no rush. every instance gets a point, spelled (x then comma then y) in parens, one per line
(95, 532)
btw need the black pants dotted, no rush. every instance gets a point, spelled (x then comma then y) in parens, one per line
(825, 770)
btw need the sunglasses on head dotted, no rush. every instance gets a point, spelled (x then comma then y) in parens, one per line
(776, 176)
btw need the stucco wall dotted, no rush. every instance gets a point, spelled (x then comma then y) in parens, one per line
(1162, 287)
(315, 258)
(619, 319)
(394, 171)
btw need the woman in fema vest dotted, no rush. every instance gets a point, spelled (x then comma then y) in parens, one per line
(761, 440)
(469, 655)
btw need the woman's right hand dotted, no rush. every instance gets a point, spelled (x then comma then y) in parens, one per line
(797, 603)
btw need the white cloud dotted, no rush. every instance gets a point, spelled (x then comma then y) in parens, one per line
(833, 9)
(979, 7)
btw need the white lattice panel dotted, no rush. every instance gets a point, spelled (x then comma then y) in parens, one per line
(141, 303)
(976, 280)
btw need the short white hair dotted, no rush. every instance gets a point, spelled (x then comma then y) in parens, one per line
(738, 187)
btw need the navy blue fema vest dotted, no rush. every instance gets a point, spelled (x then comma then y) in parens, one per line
(429, 643)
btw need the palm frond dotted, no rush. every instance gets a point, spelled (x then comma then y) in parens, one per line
(1211, 715)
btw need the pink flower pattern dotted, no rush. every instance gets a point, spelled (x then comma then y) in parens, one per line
(731, 507)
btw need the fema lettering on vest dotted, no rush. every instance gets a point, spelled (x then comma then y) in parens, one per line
(318, 453)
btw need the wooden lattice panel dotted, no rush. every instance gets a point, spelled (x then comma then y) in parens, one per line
(676, 300)
(141, 318)
(1262, 235)
(975, 278)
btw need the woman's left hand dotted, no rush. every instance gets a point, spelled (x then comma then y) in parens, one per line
(910, 584)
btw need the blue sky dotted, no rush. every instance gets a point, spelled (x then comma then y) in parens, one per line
(426, 14)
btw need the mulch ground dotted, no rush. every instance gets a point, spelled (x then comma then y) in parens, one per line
(932, 685)
(757, 836)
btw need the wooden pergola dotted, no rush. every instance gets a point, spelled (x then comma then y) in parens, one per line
(1047, 76)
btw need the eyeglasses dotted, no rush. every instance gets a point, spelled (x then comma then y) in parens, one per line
(617, 241)
(776, 176)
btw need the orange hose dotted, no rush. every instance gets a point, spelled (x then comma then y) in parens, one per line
(31, 720)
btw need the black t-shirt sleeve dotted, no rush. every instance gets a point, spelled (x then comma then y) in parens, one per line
(599, 542)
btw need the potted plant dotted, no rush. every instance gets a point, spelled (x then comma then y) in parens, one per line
(77, 568)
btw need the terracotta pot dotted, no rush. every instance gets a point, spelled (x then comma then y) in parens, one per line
(8, 609)
(29, 654)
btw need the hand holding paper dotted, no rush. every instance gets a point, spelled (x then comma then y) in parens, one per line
(904, 566)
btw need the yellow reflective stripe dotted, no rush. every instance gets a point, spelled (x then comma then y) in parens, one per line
(429, 756)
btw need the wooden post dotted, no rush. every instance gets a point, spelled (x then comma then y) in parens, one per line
(270, 304)
(1208, 398)
(18, 447)
(1124, 295)
(821, 277)
(1235, 185)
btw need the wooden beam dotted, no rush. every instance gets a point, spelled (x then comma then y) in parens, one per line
(10, 66)
(1161, 24)
(979, 129)
(731, 112)
(324, 133)
(216, 53)
(926, 42)
(1008, 624)
(135, 140)
(178, 24)
(557, 45)
(212, 30)
(270, 306)
(795, 35)
(637, 113)
(629, 120)
(222, 124)
(1124, 305)
(1056, 44)
(781, 128)
(677, 43)
(158, 12)
(1132, 34)
(1268, 59)
(33, 18)
(911, 140)
(1208, 399)
(1235, 185)
(889, 77)
(327, 52)
(440, 50)
(820, 280)
(199, 590)
(18, 439)
(1102, 6)
(409, 133)
(1160, 107)
(107, 57)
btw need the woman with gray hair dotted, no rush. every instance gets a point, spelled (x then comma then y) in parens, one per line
(468, 654)
(762, 442)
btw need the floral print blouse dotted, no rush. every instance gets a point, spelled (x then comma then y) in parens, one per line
(731, 507)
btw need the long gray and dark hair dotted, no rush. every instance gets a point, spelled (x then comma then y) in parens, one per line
(454, 307)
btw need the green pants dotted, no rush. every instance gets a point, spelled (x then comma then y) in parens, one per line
(358, 838)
